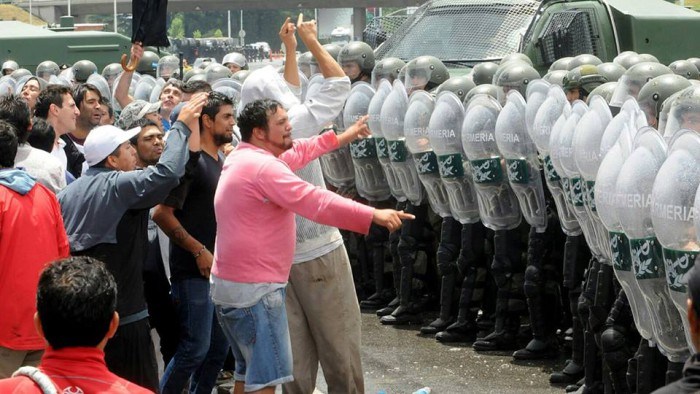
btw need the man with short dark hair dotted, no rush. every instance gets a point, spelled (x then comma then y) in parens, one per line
(148, 143)
(41, 165)
(29, 213)
(106, 216)
(56, 105)
(75, 303)
(255, 202)
(89, 101)
(187, 217)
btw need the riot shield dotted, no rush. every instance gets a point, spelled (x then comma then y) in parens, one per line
(132, 88)
(416, 130)
(7, 85)
(370, 180)
(563, 161)
(337, 165)
(392, 123)
(144, 87)
(536, 94)
(614, 187)
(160, 83)
(553, 110)
(498, 205)
(522, 162)
(101, 84)
(444, 131)
(19, 84)
(58, 80)
(586, 150)
(673, 215)
(375, 125)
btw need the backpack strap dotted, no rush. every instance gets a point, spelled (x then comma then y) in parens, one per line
(41, 379)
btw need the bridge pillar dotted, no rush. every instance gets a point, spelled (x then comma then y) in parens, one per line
(359, 22)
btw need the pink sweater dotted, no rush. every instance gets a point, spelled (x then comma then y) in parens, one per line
(255, 202)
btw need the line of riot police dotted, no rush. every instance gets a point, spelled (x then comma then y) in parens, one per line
(566, 200)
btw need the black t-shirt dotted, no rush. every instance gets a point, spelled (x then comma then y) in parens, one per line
(124, 260)
(193, 201)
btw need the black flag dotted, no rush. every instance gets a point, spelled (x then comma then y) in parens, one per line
(150, 22)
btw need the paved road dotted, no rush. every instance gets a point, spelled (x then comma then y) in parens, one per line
(399, 360)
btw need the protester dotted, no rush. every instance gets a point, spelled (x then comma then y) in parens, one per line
(30, 91)
(116, 228)
(45, 168)
(28, 212)
(42, 137)
(255, 201)
(75, 304)
(187, 216)
(89, 102)
(56, 105)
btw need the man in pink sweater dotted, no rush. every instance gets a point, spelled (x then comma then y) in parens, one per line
(256, 199)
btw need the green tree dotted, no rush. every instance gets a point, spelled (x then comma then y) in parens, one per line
(197, 34)
(177, 26)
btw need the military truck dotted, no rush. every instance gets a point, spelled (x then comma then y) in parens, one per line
(462, 33)
(30, 45)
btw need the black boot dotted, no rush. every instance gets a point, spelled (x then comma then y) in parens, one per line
(447, 256)
(375, 241)
(445, 318)
(395, 272)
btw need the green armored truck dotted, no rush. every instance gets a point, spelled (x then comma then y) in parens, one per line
(30, 45)
(463, 33)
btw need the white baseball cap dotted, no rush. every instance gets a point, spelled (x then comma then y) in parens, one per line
(103, 140)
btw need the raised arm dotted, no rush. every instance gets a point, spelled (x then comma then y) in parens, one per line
(309, 36)
(121, 91)
(291, 72)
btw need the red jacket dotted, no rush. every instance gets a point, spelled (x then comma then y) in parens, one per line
(31, 235)
(73, 370)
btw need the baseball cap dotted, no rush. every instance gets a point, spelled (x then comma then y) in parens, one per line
(103, 140)
(134, 111)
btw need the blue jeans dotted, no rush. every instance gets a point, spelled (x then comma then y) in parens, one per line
(202, 348)
(259, 337)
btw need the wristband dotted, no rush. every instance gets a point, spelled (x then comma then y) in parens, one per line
(196, 255)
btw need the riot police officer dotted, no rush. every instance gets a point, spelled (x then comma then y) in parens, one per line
(357, 60)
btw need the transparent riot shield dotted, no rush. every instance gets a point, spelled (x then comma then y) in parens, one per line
(522, 162)
(563, 161)
(673, 214)
(611, 194)
(392, 119)
(416, 130)
(19, 84)
(337, 165)
(536, 94)
(445, 133)
(498, 205)
(550, 116)
(58, 80)
(144, 87)
(160, 83)
(101, 84)
(587, 157)
(370, 181)
(7, 85)
(375, 125)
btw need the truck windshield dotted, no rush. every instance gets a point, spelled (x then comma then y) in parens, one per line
(473, 31)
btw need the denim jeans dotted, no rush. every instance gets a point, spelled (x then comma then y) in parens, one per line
(202, 348)
(259, 338)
